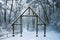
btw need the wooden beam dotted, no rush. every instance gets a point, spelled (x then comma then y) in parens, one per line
(18, 17)
(13, 30)
(29, 10)
(44, 30)
(24, 12)
(28, 15)
(36, 26)
(21, 26)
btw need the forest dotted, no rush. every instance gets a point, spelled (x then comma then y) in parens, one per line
(29, 19)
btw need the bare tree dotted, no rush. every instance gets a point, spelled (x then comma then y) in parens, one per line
(44, 9)
(10, 12)
(5, 12)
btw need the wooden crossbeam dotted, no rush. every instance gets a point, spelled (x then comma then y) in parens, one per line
(28, 15)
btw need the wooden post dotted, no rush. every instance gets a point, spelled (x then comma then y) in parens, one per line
(28, 18)
(45, 18)
(29, 10)
(44, 30)
(36, 26)
(21, 26)
(13, 30)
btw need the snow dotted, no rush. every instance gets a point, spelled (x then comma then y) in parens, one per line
(51, 35)
(28, 35)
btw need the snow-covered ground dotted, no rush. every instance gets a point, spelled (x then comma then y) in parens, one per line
(51, 35)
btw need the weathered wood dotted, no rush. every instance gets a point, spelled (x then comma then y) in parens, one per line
(35, 15)
(13, 30)
(21, 26)
(17, 18)
(23, 13)
(36, 26)
(29, 10)
(28, 15)
(44, 30)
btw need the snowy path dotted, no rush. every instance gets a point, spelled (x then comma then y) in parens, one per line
(31, 36)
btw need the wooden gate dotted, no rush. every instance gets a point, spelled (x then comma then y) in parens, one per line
(35, 15)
